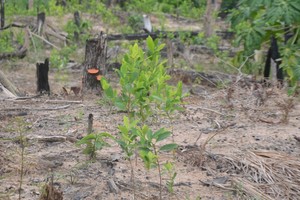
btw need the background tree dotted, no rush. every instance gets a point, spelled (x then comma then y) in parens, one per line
(212, 6)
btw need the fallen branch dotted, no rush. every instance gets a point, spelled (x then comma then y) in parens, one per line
(247, 188)
(53, 139)
(164, 34)
(13, 25)
(112, 186)
(36, 35)
(36, 109)
(214, 111)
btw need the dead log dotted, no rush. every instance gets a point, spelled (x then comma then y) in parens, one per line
(15, 24)
(42, 70)
(7, 85)
(5, 93)
(211, 79)
(165, 34)
(51, 139)
(95, 62)
(21, 52)
(201, 49)
(17, 54)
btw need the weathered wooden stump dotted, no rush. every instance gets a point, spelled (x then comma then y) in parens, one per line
(94, 66)
(42, 70)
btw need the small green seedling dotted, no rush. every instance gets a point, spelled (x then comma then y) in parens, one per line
(149, 150)
(94, 142)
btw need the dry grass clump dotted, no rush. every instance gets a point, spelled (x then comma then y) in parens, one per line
(264, 174)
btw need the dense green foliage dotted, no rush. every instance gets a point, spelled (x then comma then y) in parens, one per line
(255, 21)
(143, 81)
(188, 8)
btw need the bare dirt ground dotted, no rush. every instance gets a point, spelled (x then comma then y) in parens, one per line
(234, 143)
(239, 133)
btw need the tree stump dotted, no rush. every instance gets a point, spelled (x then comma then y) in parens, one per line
(42, 70)
(95, 62)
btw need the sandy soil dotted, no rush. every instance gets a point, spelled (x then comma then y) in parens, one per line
(240, 125)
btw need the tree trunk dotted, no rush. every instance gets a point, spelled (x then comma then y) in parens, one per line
(95, 58)
(30, 4)
(208, 19)
(212, 6)
(42, 70)
(2, 14)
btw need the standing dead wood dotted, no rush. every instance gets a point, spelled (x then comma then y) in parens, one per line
(147, 24)
(41, 17)
(50, 192)
(95, 62)
(77, 18)
(77, 22)
(42, 70)
(61, 2)
(170, 52)
(2, 14)
(90, 124)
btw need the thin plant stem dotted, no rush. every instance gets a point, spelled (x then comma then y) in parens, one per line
(132, 177)
(22, 164)
(159, 173)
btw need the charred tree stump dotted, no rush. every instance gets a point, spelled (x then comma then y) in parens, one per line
(42, 70)
(95, 62)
